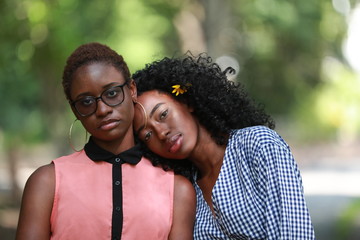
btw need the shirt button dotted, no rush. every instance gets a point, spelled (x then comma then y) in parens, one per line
(117, 183)
(117, 159)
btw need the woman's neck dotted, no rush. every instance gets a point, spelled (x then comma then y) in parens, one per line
(117, 145)
(208, 155)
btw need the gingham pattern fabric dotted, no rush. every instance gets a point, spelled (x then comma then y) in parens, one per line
(258, 194)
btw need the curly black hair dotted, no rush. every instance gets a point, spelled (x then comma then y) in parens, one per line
(220, 105)
(92, 53)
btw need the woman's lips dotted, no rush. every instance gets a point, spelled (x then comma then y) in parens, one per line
(108, 125)
(175, 143)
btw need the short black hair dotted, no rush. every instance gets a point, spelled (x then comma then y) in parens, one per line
(92, 53)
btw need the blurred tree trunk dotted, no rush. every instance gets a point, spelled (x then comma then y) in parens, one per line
(207, 26)
(190, 29)
(220, 34)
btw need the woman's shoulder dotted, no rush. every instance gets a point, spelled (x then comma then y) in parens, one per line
(70, 157)
(183, 185)
(256, 136)
(41, 182)
(37, 202)
(43, 174)
(255, 132)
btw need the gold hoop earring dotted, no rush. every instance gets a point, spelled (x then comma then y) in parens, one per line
(70, 133)
(144, 111)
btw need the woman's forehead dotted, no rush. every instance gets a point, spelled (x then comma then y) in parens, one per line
(153, 96)
(95, 76)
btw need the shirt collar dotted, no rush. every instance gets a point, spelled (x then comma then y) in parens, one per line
(96, 153)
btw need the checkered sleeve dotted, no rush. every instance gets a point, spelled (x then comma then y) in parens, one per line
(286, 214)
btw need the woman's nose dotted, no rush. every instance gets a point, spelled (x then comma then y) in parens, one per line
(102, 108)
(162, 131)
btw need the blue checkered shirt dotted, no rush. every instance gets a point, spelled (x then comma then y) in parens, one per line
(258, 193)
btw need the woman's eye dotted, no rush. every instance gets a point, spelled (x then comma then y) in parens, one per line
(87, 101)
(163, 114)
(111, 93)
(147, 136)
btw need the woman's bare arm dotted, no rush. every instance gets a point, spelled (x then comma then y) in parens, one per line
(36, 206)
(184, 209)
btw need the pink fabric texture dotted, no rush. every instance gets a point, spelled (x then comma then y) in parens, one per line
(82, 207)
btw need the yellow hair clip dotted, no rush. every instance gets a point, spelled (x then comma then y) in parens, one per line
(180, 90)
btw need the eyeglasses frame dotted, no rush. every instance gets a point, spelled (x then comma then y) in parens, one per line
(72, 103)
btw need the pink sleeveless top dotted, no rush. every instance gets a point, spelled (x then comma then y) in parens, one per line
(82, 207)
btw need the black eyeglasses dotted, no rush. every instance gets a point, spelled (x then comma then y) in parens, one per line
(88, 105)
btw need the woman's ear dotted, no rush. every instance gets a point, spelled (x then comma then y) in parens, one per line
(133, 90)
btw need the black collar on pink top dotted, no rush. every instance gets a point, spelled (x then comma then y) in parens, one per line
(96, 153)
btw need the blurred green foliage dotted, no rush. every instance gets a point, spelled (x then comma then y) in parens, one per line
(284, 45)
(346, 227)
(292, 61)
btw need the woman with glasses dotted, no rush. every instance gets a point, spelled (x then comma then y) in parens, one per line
(107, 190)
(247, 182)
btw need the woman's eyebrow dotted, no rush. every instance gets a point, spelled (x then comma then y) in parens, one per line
(87, 94)
(155, 108)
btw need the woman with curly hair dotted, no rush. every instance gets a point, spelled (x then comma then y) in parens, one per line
(196, 122)
(107, 190)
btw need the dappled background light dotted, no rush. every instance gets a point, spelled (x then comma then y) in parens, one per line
(351, 44)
